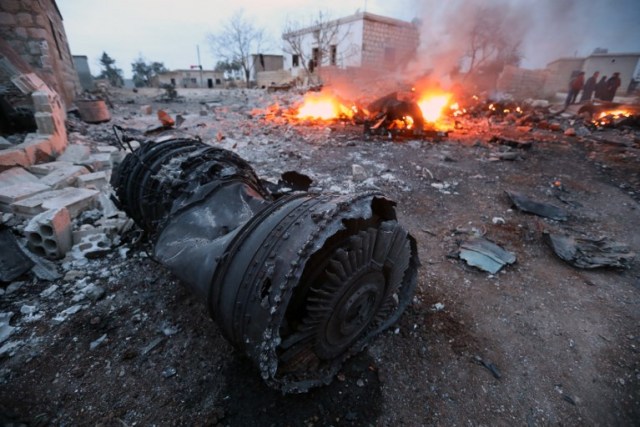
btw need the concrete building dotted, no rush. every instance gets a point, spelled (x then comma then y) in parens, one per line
(561, 70)
(265, 62)
(81, 64)
(35, 31)
(359, 40)
(191, 79)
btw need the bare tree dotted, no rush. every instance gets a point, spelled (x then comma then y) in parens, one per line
(237, 40)
(493, 41)
(321, 48)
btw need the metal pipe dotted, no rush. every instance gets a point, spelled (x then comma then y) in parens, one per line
(299, 282)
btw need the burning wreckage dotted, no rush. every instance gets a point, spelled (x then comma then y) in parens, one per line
(298, 281)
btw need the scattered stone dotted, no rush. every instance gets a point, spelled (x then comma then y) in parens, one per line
(49, 291)
(64, 314)
(169, 372)
(146, 110)
(5, 329)
(358, 172)
(570, 132)
(96, 343)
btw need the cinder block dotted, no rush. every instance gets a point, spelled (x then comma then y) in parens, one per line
(92, 246)
(98, 162)
(16, 176)
(75, 153)
(42, 101)
(95, 180)
(74, 199)
(63, 177)
(46, 168)
(49, 233)
(45, 123)
(13, 193)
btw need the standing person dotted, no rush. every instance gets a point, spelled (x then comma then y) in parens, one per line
(589, 87)
(601, 88)
(574, 88)
(612, 86)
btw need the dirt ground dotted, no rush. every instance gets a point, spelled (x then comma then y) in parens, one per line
(560, 345)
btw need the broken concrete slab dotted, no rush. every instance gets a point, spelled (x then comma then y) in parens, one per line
(588, 253)
(63, 177)
(485, 255)
(74, 199)
(46, 168)
(16, 176)
(545, 210)
(75, 153)
(16, 192)
(92, 246)
(49, 233)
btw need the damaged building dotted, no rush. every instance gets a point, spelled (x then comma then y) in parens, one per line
(360, 40)
(34, 30)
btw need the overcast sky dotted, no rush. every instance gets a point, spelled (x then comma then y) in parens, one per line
(169, 31)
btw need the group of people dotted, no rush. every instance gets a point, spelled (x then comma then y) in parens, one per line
(604, 90)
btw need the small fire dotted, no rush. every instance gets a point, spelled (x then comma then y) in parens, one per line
(324, 107)
(432, 106)
(609, 116)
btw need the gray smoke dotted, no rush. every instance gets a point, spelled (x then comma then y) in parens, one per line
(548, 29)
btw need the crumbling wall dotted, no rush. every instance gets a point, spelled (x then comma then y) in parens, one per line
(388, 44)
(266, 78)
(34, 29)
(523, 83)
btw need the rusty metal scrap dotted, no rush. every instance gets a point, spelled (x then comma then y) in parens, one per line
(298, 282)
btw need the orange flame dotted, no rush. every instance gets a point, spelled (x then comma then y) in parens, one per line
(433, 105)
(323, 107)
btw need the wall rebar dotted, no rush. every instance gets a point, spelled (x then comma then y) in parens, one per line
(298, 282)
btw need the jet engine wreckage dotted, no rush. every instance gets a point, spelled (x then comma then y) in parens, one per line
(297, 281)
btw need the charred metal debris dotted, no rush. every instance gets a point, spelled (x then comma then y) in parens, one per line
(299, 282)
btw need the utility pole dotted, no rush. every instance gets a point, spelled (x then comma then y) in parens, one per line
(199, 65)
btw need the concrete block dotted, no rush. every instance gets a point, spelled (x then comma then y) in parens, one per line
(12, 158)
(106, 149)
(45, 123)
(98, 162)
(95, 180)
(63, 177)
(92, 246)
(49, 233)
(16, 176)
(13, 193)
(74, 199)
(75, 153)
(42, 101)
(46, 168)
(37, 147)
(84, 231)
